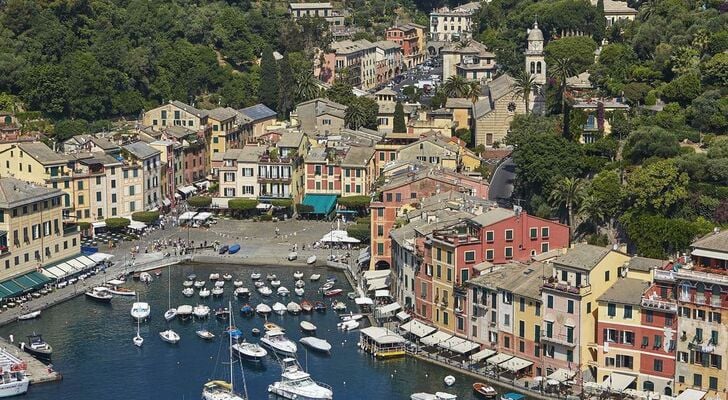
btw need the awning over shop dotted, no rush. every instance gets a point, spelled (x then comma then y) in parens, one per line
(561, 375)
(363, 301)
(72, 266)
(10, 287)
(417, 328)
(187, 216)
(54, 272)
(86, 261)
(498, 358)
(617, 382)
(482, 355)
(322, 203)
(691, 394)
(339, 236)
(76, 264)
(202, 185)
(516, 364)
(387, 309)
(710, 254)
(364, 256)
(377, 284)
(100, 224)
(435, 338)
(203, 216)
(458, 345)
(375, 274)
(137, 225)
(381, 293)
(100, 257)
(187, 190)
(382, 335)
(403, 316)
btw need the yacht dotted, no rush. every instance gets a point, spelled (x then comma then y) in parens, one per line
(140, 310)
(13, 382)
(37, 347)
(249, 351)
(99, 295)
(169, 336)
(297, 384)
(277, 341)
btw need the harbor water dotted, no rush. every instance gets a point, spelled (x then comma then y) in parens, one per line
(93, 347)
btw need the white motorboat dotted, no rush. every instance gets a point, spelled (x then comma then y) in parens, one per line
(214, 276)
(100, 295)
(145, 277)
(316, 343)
(307, 326)
(227, 277)
(299, 291)
(283, 291)
(277, 341)
(293, 308)
(140, 310)
(351, 317)
(13, 382)
(297, 275)
(188, 283)
(311, 260)
(138, 339)
(315, 277)
(170, 314)
(199, 284)
(297, 384)
(205, 334)
(184, 311)
(188, 292)
(255, 276)
(327, 286)
(237, 284)
(348, 325)
(449, 380)
(217, 291)
(220, 284)
(265, 291)
(300, 283)
(279, 308)
(204, 293)
(263, 309)
(271, 277)
(241, 292)
(114, 287)
(292, 256)
(339, 306)
(275, 283)
(31, 315)
(169, 336)
(250, 351)
(259, 284)
(201, 311)
(430, 396)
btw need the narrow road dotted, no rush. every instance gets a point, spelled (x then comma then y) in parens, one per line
(501, 183)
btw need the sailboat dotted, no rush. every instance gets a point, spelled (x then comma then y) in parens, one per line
(222, 390)
(169, 335)
(171, 312)
(138, 339)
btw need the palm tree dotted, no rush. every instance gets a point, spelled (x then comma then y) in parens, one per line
(562, 69)
(567, 193)
(456, 86)
(524, 84)
(355, 117)
(306, 87)
(474, 90)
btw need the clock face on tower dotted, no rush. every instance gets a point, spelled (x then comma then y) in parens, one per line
(535, 45)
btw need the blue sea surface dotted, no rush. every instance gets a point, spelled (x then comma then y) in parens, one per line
(93, 347)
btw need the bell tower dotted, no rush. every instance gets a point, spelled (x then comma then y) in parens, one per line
(535, 64)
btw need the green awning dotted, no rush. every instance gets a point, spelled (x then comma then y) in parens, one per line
(24, 281)
(39, 278)
(5, 292)
(11, 288)
(321, 203)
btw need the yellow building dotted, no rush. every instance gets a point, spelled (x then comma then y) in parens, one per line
(225, 131)
(434, 150)
(175, 113)
(443, 278)
(31, 229)
(462, 110)
(293, 146)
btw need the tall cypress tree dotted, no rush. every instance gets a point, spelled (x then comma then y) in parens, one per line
(399, 124)
(268, 90)
(286, 93)
(600, 23)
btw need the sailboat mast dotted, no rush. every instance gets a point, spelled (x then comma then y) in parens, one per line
(230, 348)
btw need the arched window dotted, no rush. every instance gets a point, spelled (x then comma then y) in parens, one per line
(668, 391)
(648, 386)
(8, 120)
(533, 67)
(538, 67)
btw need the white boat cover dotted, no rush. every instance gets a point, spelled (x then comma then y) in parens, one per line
(403, 316)
(381, 293)
(203, 216)
(691, 394)
(617, 382)
(187, 190)
(382, 335)
(482, 355)
(417, 328)
(364, 301)
(100, 257)
(187, 216)
(377, 284)
(516, 364)
(388, 309)
(498, 358)
(458, 345)
(435, 338)
(376, 274)
(561, 375)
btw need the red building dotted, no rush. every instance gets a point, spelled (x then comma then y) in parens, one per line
(659, 315)
(408, 37)
(509, 235)
(322, 175)
(407, 188)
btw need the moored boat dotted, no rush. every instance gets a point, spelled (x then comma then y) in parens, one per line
(316, 343)
(146, 277)
(307, 326)
(270, 276)
(249, 351)
(327, 286)
(205, 334)
(169, 336)
(199, 284)
(277, 341)
(270, 326)
(188, 292)
(293, 308)
(227, 277)
(222, 313)
(184, 311)
(297, 384)
(101, 296)
(279, 308)
(234, 249)
(223, 249)
(333, 292)
(300, 283)
(13, 382)
(348, 325)
(351, 317)
(113, 286)
(187, 283)
(449, 380)
(255, 275)
(484, 391)
(201, 311)
(311, 260)
(306, 306)
(319, 306)
(217, 291)
(246, 309)
(170, 314)
(275, 283)
(37, 347)
(299, 291)
(265, 291)
(315, 277)
(204, 293)
(283, 291)
(292, 256)
(339, 306)
(263, 309)
(241, 292)
(214, 276)
(30, 315)
(237, 284)
(298, 275)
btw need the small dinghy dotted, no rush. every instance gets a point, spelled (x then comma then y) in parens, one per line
(237, 284)
(348, 325)
(292, 256)
(205, 334)
(298, 275)
(255, 276)
(306, 306)
(316, 343)
(308, 327)
(283, 291)
(242, 292)
(315, 277)
(300, 283)
(265, 291)
(339, 306)
(234, 249)
(351, 317)
(311, 260)
(246, 310)
(293, 308)
(32, 315)
(201, 311)
(279, 308)
(449, 380)
(269, 326)
(263, 309)
(299, 291)
(275, 283)
(188, 292)
(199, 284)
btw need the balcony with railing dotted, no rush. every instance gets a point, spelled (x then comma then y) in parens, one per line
(559, 339)
(702, 276)
(658, 305)
(582, 290)
(663, 275)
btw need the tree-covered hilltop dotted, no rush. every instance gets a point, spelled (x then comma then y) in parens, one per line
(661, 177)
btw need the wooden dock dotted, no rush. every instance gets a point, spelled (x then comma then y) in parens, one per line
(36, 371)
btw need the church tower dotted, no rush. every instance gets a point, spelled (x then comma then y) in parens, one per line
(535, 63)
